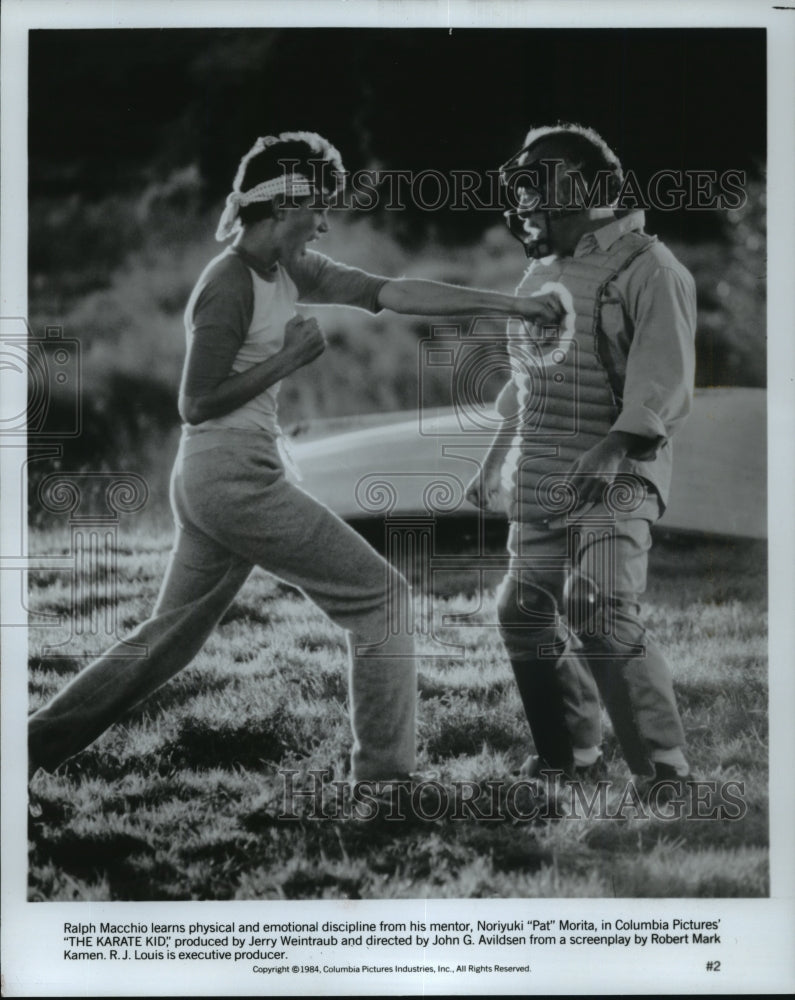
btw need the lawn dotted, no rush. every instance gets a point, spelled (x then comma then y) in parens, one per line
(182, 799)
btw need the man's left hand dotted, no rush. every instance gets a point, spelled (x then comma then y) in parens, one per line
(596, 469)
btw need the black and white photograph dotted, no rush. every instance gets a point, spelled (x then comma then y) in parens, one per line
(397, 555)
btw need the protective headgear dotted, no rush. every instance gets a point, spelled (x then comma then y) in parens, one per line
(526, 180)
(525, 183)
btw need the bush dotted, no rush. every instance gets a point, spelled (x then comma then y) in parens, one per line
(730, 283)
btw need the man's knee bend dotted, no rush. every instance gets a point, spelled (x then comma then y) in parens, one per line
(527, 644)
(528, 621)
(525, 603)
(627, 628)
(583, 601)
(606, 628)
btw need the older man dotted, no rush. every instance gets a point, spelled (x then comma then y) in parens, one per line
(582, 462)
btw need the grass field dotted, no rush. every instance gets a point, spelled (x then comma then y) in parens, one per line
(181, 800)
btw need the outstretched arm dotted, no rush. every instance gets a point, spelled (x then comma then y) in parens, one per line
(434, 298)
(321, 280)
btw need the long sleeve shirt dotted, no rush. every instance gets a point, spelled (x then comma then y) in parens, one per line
(648, 317)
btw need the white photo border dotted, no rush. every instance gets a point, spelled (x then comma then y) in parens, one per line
(759, 932)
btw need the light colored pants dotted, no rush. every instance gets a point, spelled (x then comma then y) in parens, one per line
(234, 509)
(562, 665)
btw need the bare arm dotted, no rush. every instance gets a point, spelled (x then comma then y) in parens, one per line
(303, 342)
(434, 298)
(322, 280)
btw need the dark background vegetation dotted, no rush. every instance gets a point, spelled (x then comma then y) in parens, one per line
(135, 135)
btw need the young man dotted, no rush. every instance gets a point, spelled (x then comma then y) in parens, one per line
(234, 506)
(582, 462)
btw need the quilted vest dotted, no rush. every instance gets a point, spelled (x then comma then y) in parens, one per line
(566, 398)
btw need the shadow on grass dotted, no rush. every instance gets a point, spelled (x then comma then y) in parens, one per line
(507, 849)
(63, 666)
(94, 855)
(166, 760)
(311, 880)
(722, 569)
(455, 726)
(202, 744)
(611, 836)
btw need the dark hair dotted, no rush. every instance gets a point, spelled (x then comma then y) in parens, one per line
(305, 153)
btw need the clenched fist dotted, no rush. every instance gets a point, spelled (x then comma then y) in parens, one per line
(484, 495)
(541, 310)
(303, 340)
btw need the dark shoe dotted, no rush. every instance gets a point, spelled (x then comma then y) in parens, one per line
(539, 799)
(663, 786)
(537, 767)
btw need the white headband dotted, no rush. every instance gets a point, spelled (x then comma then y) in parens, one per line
(295, 184)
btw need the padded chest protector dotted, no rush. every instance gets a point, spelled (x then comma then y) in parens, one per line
(567, 400)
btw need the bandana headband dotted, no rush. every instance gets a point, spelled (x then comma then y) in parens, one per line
(294, 184)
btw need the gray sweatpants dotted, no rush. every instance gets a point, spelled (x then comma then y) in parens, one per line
(234, 509)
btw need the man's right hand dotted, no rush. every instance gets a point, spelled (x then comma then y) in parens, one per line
(303, 340)
(484, 490)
